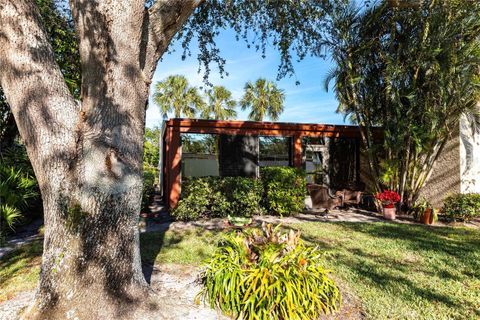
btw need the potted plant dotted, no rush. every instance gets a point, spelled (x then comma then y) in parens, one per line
(388, 198)
(424, 212)
(429, 216)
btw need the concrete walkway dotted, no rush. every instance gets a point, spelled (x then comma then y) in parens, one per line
(25, 234)
(337, 215)
(160, 220)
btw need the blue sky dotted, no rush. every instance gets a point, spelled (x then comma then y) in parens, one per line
(307, 102)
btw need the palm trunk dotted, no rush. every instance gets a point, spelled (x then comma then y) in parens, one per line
(403, 172)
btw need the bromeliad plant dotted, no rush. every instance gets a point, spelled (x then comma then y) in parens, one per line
(388, 198)
(266, 274)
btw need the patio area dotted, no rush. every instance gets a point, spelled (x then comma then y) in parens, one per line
(160, 219)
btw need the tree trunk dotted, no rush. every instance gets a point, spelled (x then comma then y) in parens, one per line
(87, 156)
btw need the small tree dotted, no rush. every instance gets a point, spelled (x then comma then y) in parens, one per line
(413, 71)
(264, 99)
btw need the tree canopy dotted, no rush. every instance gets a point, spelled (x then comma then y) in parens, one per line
(264, 99)
(294, 28)
(174, 94)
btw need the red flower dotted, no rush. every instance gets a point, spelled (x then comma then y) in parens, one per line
(388, 198)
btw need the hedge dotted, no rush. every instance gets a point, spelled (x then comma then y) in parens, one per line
(463, 207)
(280, 190)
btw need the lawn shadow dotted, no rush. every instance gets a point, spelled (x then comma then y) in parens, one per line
(151, 244)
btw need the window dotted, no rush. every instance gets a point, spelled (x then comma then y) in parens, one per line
(199, 155)
(314, 156)
(275, 151)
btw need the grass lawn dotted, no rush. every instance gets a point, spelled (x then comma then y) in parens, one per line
(404, 271)
(398, 271)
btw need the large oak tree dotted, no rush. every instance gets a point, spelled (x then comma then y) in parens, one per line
(87, 152)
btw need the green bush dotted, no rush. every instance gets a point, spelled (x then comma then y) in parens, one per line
(285, 189)
(218, 197)
(244, 196)
(263, 274)
(195, 199)
(149, 179)
(281, 190)
(463, 207)
(18, 188)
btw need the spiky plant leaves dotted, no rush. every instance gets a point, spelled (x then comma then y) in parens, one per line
(267, 274)
(174, 94)
(220, 104)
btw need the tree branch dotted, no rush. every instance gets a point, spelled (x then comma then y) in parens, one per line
(161, 22)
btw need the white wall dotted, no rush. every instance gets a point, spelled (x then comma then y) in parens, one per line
(469, 158)
(199, 165)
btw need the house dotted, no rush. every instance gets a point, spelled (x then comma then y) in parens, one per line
(457, 169)
(330, 154)
(192, 147)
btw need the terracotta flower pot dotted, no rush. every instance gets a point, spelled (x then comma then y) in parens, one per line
(427, 217)
(389, 213)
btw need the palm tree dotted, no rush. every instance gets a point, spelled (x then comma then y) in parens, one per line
(393, 70)
(264, 99)
(220, 104)
(175, 95)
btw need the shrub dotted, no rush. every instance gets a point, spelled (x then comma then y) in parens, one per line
(195, 199)
(281, 190)
(263, 274)
(244, 195)
(285, 189)
(149, 179)
(463, 207)
(218, 197)
(18, 188)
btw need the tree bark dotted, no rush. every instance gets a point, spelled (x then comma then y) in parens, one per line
(87, 155)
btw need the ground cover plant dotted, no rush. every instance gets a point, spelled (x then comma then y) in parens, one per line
(398, 271)
(267, 274)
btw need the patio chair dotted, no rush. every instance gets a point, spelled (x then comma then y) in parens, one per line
(322, 198)
(350, 197)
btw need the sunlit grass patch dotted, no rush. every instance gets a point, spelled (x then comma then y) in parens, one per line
(404, 271)
(191, 246)
(19, 270)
